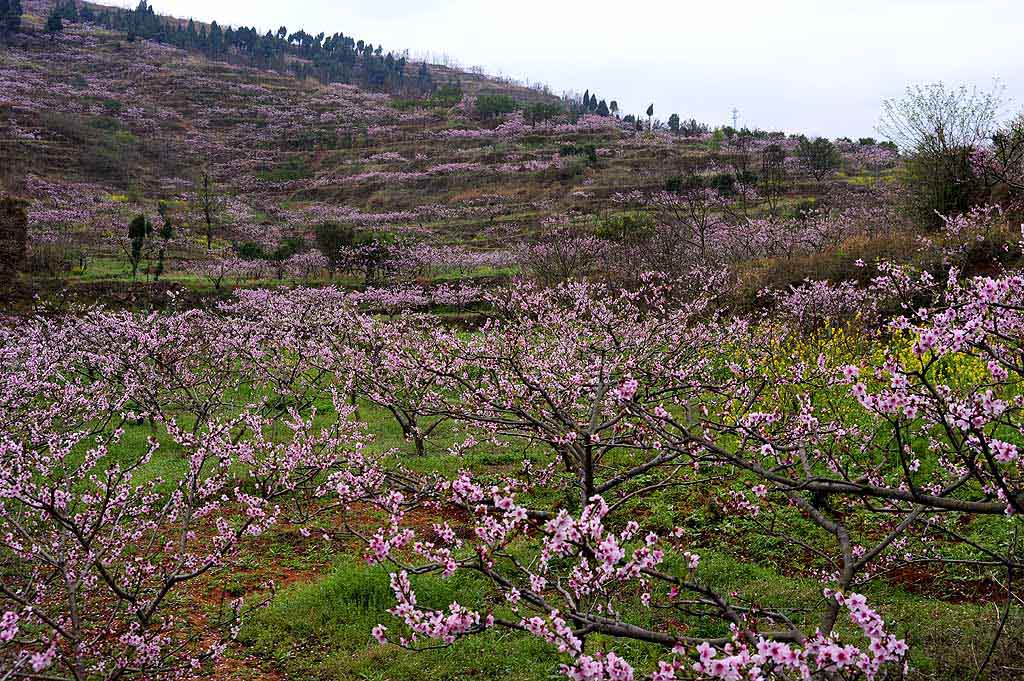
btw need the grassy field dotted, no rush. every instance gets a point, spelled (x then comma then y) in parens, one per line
(317, 624)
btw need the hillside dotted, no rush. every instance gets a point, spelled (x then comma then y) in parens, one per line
(98, 129)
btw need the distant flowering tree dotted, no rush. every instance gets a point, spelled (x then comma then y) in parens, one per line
(697, 221)
(305, 266)
(938, 129)
(1001, 160)
(563, 251)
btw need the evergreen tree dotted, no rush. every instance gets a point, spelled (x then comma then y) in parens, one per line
(216, 39)
(673, 123)
(13, 19)
(602, 109)
(138, 230)
(69, 10)
(10, 17)
(54, 23)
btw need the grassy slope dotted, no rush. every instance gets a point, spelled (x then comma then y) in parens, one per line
(317, 627)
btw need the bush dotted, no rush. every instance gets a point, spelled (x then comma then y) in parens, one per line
(489, 106)
(250, 251)
(819, 156)
(939, 129)
(588, 150)
(333, 239)
(940, 184)
(626, 227)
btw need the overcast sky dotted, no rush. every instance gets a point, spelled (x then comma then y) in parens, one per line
(816, 66)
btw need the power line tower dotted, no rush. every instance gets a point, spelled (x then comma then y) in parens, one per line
(735, 118)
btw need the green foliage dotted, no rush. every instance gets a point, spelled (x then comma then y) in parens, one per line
(940, 184)
(54, 22)
(673, 123)
(491, 105)
(139, 230)
(587, 150)
(334, 58)
(818, 156)
(295, 168)
(331, 239)
(626, 227)
(717, 137)
(939, 128)
(10, 17)
(541, 112)
(446, 95)
(288, 247)
(165, 235)
(250, 250)
(572, 170)
(68, 10)
(112, 106)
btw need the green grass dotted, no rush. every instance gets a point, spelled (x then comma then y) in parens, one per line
(322, 631)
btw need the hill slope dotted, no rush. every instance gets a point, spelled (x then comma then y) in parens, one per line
(98, 129)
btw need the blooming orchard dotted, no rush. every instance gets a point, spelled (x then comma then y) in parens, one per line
(615, 397)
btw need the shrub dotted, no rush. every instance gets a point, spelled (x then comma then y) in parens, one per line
(489, 106)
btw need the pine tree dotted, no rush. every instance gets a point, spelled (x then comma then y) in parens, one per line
(138, 230)
(216, 39)
(69, 11)
(54, 24)
(5, 9)
(10, 19)
(602, 109)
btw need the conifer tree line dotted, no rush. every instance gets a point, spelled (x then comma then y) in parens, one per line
(590, 104)
(10, 18)
(337, 58)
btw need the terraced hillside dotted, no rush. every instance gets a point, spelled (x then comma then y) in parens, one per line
(248, 163)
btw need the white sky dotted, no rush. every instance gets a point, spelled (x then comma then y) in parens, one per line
(815, 66)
